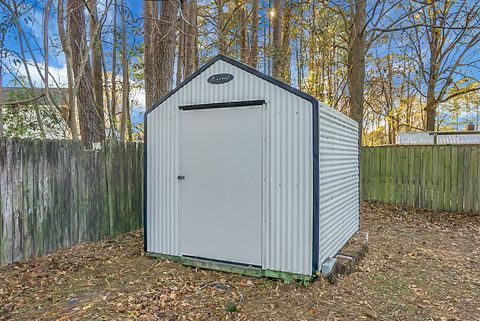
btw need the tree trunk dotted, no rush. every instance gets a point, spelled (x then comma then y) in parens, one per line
(253, 59)
(182, 37)
(356, 64)
(45, 43)
(286, 51)
(244, 47)
(96, 54)
(1, 88)
(150, 17)
(277, 63)
(91, 115)
(299, 51)
(108, 102)
(192, 45)
(125, 78)
(71, 101)
(312, 62)
(196, 59)
(434, 66)
(222, 43)
(431, 109)
(165, 49)
(113, 111)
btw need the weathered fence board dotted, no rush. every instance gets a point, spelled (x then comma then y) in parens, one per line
(56, 194)
(439, 177)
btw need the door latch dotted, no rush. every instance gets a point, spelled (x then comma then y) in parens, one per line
(182, 177)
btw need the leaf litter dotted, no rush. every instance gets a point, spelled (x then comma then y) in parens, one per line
(421, 265)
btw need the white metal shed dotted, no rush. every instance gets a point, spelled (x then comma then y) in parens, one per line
(246, 173)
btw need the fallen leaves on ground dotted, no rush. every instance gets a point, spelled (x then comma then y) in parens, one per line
(421, 265)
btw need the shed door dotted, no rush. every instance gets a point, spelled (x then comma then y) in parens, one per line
(221, 193)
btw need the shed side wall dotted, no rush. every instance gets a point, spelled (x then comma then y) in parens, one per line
(287, 169)
(338, 181)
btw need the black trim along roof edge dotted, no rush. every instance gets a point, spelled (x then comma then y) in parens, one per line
(242, 66)
(276, 82)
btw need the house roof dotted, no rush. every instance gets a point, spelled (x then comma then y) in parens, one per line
(13, 94)
(443, 138)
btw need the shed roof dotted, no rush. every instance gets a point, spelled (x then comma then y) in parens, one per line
(244, 67)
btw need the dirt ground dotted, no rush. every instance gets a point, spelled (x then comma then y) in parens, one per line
(422, 265)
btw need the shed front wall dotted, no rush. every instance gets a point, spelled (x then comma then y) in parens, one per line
(339, 203)
(287, 170)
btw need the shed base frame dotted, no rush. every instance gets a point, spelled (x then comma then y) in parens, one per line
(233, 268)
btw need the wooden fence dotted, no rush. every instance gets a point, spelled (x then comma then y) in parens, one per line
(438, 177)
(56, 194)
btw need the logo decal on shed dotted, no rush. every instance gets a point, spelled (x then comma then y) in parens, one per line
(218, 79)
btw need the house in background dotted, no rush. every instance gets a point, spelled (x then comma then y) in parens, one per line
(470, 136)
(20, 119)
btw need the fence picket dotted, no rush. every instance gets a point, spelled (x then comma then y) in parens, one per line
(447, 172)
(460, 178)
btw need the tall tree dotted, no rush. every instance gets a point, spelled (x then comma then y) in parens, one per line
(1, 85)
(96, 45)
(159, 39)
(90, 114)
(243, 39)
(125, 79)
(191, 49)
(277, 57)
(66, 46)
(356, 61)
(221, 40)
(165, 48)
(253, 58)
(444, 38)
(182, 39)
(150, 17)
(46, 18)
(113, 112)
(286, 50)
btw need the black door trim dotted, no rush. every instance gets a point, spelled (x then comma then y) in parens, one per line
(229, 104)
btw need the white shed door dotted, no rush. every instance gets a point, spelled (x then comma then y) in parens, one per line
(221, 192)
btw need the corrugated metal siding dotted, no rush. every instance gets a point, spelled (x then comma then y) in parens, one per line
(162, 187)
(338, 181)
(287, 200)
(427, 139)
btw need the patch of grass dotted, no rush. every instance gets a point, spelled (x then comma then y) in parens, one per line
(393, 285)
(231, 307)
(266, 283)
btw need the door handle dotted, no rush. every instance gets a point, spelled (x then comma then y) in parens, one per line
(181, 177)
